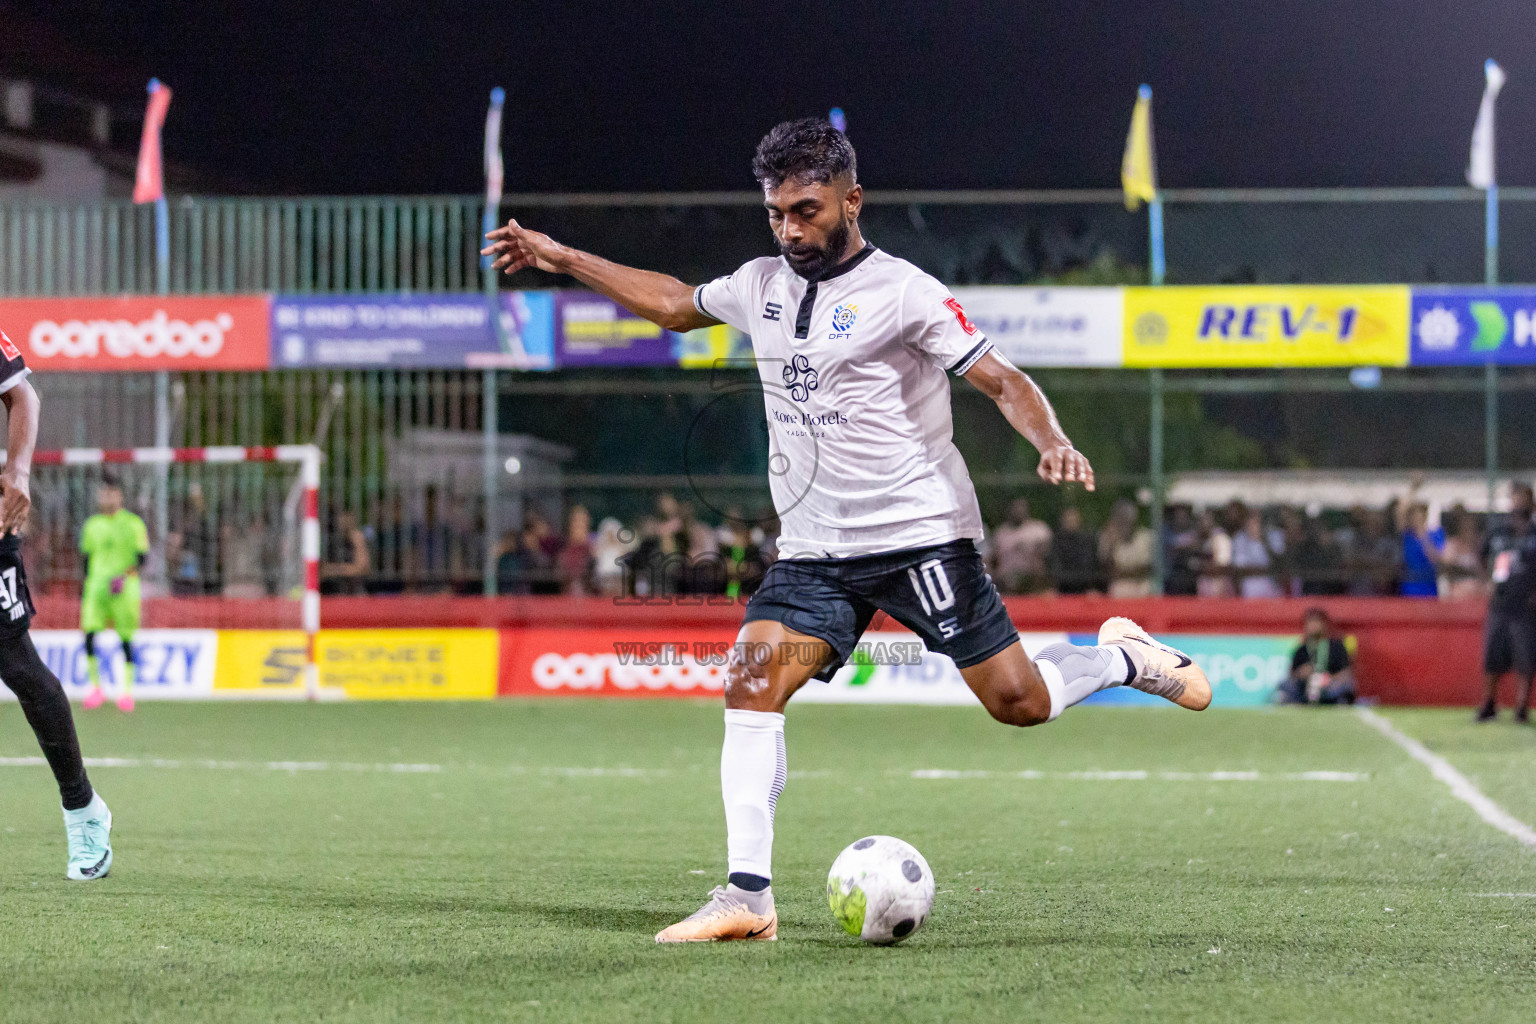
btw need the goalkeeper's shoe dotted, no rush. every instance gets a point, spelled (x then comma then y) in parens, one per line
(94, 699)
(727, 916)
(1160, 670)
(90, 840)
(125, 701)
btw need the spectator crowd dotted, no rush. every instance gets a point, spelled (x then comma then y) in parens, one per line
(436, 545)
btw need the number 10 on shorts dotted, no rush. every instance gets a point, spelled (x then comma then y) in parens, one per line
(939, 595)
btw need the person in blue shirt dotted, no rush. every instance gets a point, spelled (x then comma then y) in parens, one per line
(1422, 546)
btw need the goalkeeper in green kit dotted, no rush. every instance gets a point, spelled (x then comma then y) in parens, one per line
(115, 544)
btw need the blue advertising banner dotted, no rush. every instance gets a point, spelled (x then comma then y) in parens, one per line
(1244, 669)
(1472, 326)
(592, 330)
(421, 331)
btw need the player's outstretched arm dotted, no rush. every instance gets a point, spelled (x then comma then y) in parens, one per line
(663, 300)
(21, 406)
(1026, 407)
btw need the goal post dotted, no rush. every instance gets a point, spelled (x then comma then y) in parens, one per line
(255, 513)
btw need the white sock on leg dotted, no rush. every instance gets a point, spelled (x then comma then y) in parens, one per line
(1072, 674)
(753, 770)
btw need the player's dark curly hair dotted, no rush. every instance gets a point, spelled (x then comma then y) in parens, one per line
(809, 149)
(110, 478)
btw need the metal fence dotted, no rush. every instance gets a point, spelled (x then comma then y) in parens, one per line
(618, 456)
(424, 244)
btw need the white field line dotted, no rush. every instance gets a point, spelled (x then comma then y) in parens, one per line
(271, 766)
(1134, 775)
(1460, 786)
(1143, 776)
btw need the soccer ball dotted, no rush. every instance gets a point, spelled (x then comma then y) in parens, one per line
(880, 889)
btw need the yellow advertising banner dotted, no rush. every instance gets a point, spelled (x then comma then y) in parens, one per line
(1260, 325)
(409, 664)
(256, 661)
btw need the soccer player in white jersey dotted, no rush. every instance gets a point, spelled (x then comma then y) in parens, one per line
(852, 345)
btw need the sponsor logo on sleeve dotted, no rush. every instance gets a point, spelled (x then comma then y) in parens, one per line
(955, 308)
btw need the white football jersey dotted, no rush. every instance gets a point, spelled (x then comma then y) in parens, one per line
(861, 457)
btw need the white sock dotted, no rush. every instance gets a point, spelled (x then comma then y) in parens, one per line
(753, 769)
(1073, 674)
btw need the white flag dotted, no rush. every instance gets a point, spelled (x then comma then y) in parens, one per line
(1480, 171)
(493, 166)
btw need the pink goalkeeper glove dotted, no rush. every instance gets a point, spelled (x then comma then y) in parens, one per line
(117, 585)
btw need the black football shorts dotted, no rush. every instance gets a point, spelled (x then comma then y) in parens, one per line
(941, 593)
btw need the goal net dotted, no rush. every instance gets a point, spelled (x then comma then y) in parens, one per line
(234, 544)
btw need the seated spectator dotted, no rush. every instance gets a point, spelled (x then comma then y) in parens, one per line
(1215, 579)
(1321, 669)
(741, 556)
(351, 560)
(1318, 561)
(540, 544)
(1182, 552)
(1461, 564)
(1421, 546)
(613, 542)
(1253, 560)
(1372, 558)
(1125, 550)
(512, 565)
(1073, 557)
(1019, 548)
(573, 562)
(1421, 554)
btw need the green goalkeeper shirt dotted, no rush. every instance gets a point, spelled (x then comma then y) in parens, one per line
(113, 543)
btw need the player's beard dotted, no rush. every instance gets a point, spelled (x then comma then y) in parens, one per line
(810, 261)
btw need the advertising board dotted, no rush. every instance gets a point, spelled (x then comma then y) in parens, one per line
(173, 663)
(1049, 326)
(166, 332)
(413, 331)
(1263, 326)
(1473, 326)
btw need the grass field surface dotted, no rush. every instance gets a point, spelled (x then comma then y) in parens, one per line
(512, 860)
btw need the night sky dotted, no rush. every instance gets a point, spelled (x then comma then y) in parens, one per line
(390, 96)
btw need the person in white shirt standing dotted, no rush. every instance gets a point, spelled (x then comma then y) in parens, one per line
(852, 346)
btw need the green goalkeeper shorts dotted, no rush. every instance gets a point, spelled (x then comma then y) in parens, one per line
(100, 608)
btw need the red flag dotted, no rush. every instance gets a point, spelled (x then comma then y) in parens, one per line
(149, 182)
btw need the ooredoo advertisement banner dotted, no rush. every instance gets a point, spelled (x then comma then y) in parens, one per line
(171, 332)
(1049, 326)
(887, 667)
(615, 662)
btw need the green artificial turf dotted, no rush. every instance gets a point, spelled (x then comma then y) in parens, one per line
(523, 876)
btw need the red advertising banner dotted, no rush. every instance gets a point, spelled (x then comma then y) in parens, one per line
(626, 662)
(169, 332)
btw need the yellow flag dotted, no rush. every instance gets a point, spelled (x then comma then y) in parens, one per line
(1138, 170)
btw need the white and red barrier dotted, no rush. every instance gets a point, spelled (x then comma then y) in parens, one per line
(305, 456)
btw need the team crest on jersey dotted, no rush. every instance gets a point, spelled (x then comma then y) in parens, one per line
(800, 378)
(842, 320)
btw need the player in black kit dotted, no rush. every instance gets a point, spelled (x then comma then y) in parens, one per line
(1509, 641)
(87, 821)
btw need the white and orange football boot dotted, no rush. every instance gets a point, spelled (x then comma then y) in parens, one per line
(727, 917)
(1161, 670)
